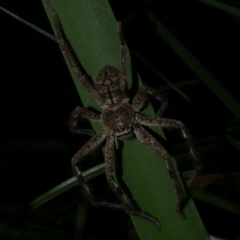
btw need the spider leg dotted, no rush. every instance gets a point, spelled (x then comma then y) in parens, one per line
(174, 124)
(146, 138)
(123, 79)
(91, 145)
(79, 113)
(127, 207)
(67, 51)
(142, 97)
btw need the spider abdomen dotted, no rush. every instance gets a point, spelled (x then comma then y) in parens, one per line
(118, 119)
(107, 85)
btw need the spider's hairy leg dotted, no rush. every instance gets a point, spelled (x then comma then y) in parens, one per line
(142, 97)
(127, 207)
(146, 138)
(79, 113)
(123, 56)
(90, 146)
(174, 124)
(67, 51)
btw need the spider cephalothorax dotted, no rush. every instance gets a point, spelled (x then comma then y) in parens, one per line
(121, 120)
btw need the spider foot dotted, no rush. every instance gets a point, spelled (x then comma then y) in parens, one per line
(157, 224)
(160, 112)
(128, 210)
(190, 181)
(179, 209)
(144, 216)
(112, 205)
(86, 132)
(154, 221)
(182, 215)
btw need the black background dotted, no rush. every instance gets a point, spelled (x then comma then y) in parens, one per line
(37, 95)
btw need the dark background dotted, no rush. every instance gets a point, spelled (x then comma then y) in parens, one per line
(37, 96)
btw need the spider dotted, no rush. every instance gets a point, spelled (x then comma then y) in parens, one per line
(120, 120)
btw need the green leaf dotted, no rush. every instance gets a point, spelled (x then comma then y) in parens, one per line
(222, 6)
(91, 29)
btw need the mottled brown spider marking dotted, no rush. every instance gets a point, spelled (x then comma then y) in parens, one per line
(107, 84)
(121, 120)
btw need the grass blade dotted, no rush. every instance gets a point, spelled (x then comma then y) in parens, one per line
(65, 186)
(36, 28)
(222, 6)
(218, 89)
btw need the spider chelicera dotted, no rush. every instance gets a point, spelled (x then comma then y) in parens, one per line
(121, 120)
